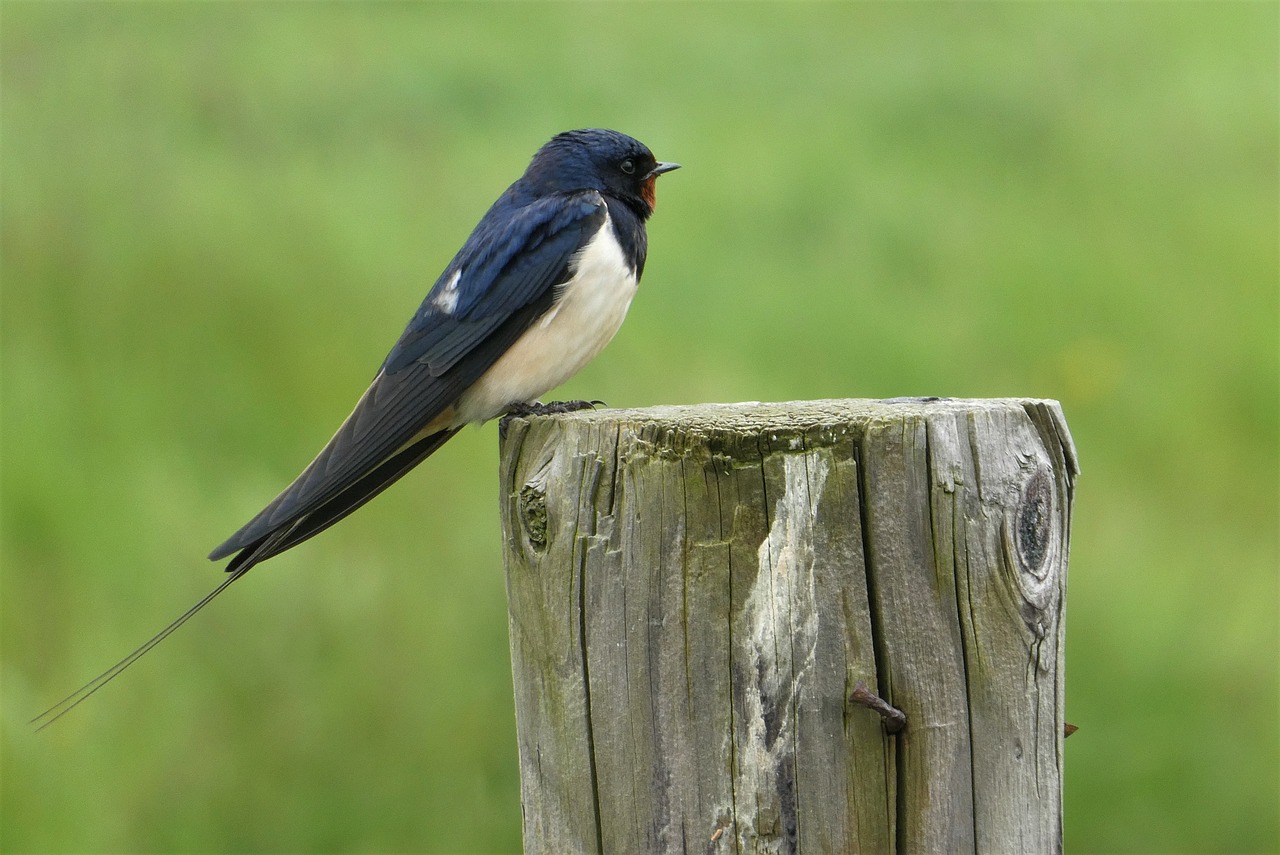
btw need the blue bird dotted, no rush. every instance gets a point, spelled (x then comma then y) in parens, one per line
(539, 288)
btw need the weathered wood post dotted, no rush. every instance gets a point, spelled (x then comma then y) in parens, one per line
(695, 592)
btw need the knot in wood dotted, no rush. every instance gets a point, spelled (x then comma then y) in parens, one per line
(1034, 525)
(1033, 545)
(533, 514)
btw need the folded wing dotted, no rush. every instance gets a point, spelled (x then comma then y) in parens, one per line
(500, 282)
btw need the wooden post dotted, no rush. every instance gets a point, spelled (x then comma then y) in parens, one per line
(695, 592)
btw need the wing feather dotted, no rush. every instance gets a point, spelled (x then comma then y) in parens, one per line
(510, 267)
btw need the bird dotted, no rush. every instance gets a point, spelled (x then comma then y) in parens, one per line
(538, 289)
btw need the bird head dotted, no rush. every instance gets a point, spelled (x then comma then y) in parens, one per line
(597, 159)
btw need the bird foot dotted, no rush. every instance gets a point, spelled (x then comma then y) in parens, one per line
(926, 399)
(523, 409)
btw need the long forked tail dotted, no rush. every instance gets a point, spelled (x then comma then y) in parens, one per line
(287, 536)
(82, 694)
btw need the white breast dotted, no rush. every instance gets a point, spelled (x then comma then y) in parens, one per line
(587, 314)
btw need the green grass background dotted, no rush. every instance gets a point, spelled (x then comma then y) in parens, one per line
(217, 217)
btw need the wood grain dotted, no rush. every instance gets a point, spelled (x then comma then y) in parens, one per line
(695, 591)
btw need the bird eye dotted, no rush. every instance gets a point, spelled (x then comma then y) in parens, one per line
(627, 166)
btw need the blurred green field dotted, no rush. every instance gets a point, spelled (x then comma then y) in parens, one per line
(216, 218)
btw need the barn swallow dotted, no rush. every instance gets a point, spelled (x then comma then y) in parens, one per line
(539, 288)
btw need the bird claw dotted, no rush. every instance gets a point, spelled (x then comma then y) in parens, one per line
(524, 410)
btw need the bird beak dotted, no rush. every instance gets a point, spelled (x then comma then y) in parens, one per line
(661, 168)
